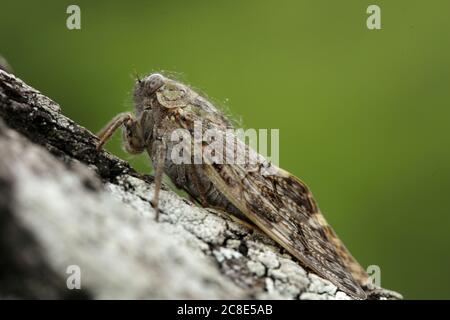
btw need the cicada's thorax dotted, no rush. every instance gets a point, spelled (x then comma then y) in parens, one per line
(189, 177)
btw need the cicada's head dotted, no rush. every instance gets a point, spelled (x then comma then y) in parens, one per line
(145, 90)
(156, 90)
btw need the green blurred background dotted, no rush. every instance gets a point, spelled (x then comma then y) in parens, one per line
(363, 115)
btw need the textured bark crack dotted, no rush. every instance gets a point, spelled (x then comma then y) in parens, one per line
(63, 203)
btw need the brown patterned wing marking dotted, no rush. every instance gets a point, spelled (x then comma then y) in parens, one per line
(349, 261)
(282, 206)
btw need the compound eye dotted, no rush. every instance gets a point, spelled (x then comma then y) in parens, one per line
(154, 82)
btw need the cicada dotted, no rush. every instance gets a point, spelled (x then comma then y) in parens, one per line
(254, 190)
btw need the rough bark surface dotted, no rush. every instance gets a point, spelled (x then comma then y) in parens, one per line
(64, 204)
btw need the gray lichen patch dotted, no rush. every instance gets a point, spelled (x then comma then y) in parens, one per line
(319, 285)
(256, 267)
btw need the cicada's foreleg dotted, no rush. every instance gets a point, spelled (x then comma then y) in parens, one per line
(158, 166)
(133, 141)
(133, 137)
(106, 133)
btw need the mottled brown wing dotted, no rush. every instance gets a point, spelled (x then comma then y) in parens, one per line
(283, 207)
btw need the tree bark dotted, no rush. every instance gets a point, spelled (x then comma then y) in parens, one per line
(64, 204)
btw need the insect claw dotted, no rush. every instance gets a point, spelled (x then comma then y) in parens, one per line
(99, 144)
(156, 208)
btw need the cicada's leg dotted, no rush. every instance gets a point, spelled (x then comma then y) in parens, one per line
(106, 133)
(133, 141)
(132, 138)
(158, 166)
(193, 175)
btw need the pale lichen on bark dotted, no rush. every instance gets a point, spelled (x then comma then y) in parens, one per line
(63, 203)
